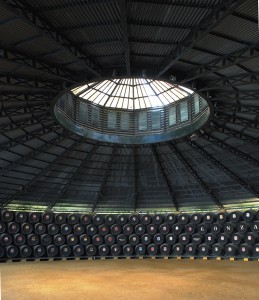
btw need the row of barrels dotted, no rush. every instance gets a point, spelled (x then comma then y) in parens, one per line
(133, 239)
(128, 229)
(203, 250)
(134, 219)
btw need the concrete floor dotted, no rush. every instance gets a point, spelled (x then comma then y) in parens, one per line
(130, 279)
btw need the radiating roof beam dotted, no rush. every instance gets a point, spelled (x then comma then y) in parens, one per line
(125, 34)
(207, 25)
(195, 174)
(165, 177)
(104, 179)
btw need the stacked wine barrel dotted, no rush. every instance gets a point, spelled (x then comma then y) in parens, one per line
(34, 235)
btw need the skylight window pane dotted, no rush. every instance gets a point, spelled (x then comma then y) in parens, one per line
(88, 94)
(163, 99)
(142, 121)
(170, 95)
(136, 104)
(196, 104)
(125, 121)
(120, 102)
(187, 90)
(156, 120)
(130, 104)
(184, 111)
(103, 100)
(111, 120)
(126, 103)
(142, 103)
(180, 94)
(155, 101)
(172, 115)
(95, 116)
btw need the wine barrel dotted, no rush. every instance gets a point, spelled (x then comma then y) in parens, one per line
(78, 250)
(65, 229)
(32, 239)
(146, 239)
(256, 250)
(39, 228)
(222, 217)
(128, 250)
(85, 219)
(158, 239)
(98, 220)
(140, 229)
(146, 219)
(122, 239)
(190, 250)
(177, 228)
(234, 216)
(26, 228)
(197, 239)
(152, 249)
(184, 239)
(11, 251)
(249, 215)
(90, 250)
(47, 218)
(72, 239)
(202, 228)
(103, 250)
(20, 217)
(2, 227)
(25, 251)
(134, 239)
(231, 250)
(109, 239)
(109, 220)
(216, 228)
(134, 219)
(34, 217)
(52, 250)
(245, 250)
(53, 229)
(19, 239)
(45, 239)
(91, 230)
(73, 219)
(59, 240)
(84, 239)
(128, 229)
(178, 249)
(78, 229)
(255, 227)
(115, 250)
(170, 219)
(209, 218)
(183, 219)
(237, 238)
(115, 229)
(164, 228)
(65, 250)
(60, 218)
(210, 238)
(217, 250)
(103, 230)
(223, 238)
(171, 239)
(165, 249)
(97, 239)
(7, 216)
(157, 219)
(152, 229)
(140, 249)
(204, 250)
(13, 227)
(190, 228)
(39, 251)
(6, 239)
(229, 228)
(243, 227)
(251, 238)
(122, 220)
(196, 219)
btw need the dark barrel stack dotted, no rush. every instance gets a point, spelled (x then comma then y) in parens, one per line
(33, 235)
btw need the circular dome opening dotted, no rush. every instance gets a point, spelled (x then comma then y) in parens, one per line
(131, 110)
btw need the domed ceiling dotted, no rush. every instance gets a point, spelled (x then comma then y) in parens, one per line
(209, 46)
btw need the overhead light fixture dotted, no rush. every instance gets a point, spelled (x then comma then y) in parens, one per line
(131, 110)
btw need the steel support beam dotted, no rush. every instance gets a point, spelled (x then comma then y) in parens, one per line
(125, 34)
(82, 165)
(195, 174)
(165, 177)
(207, 25)
(104, 179)
(222, 167)
(42, 173)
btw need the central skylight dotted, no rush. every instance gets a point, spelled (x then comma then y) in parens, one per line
(132, 93)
